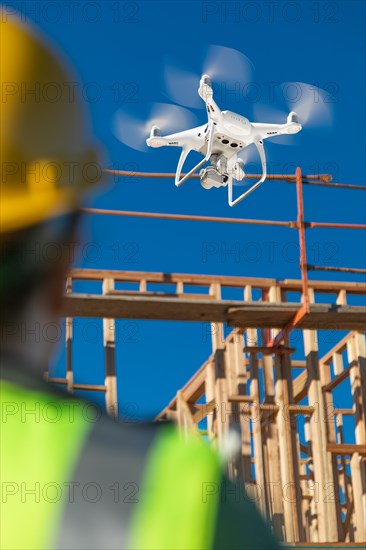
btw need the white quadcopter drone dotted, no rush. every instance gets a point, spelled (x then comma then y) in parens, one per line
(219, 141)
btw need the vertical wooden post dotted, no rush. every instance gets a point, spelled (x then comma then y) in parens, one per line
(355, 354)
(110, 360)
(289, 462)
(304, 494)
(142, 286)
(325, 416)
(220, 371)
(252, 341)
(360, 351)
(312, 518)
(215, 370)
(238, 383)
(68, 329)
(210, 398)
(236, 466)
(325, 474)
(289, 459)
(358, 485)
(346, 486)
(184, 417)
(275, 488)
(356, 358)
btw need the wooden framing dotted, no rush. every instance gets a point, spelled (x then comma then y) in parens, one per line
(308, 481)
(172, 303)
(313, 484)
(295, 457)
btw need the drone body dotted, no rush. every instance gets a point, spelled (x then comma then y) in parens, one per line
(220, 141)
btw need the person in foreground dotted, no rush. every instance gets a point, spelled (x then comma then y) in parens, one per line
(70, 478)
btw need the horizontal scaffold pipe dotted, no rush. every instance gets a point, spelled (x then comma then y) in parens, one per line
(216, 219)
(325, 178)
(187, 217)
(310, 179)
(334, 268)
(332, 225)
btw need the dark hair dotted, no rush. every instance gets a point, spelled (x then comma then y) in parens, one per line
(26, 263)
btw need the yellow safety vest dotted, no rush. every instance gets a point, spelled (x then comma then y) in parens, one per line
(42, 437)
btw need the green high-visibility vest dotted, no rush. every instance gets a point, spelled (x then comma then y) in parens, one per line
(42, 437)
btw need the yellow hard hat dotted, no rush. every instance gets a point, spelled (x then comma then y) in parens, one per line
(47, 155)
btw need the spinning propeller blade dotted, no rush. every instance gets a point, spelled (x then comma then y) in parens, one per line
(229, 70)
(314, 107)
(132, 129)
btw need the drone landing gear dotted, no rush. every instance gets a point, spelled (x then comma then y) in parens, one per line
(233, 202)
(184, 154)
(221, 173)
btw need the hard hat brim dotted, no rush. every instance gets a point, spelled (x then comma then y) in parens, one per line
(19, 211)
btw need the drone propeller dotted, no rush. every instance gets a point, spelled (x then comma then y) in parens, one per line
(132, 129)
(313, 105)
(228, 69)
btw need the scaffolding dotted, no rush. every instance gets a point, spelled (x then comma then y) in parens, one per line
(295, 458)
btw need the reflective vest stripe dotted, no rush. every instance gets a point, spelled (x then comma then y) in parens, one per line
(179, 496)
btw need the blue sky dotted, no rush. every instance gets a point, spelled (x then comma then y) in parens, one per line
(120, 56)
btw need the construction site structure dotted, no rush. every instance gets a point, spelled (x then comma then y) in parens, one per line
(298, 458)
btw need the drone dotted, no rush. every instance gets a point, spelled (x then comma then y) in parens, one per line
(220, 141)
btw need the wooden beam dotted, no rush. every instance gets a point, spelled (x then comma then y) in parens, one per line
(84, 387)
(234, 313)
(301, 409)
(337, 380)
(207, 280)
(344, 412)
(346, 449)
(267, 350)
(199, 411)
(339, 348)
(90, 387)
(192, 390)
(56, 380)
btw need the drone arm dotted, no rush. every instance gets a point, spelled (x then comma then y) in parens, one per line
(259, 145)
(205, 92)
(213, 110)
(185, 152)
(263, 131)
